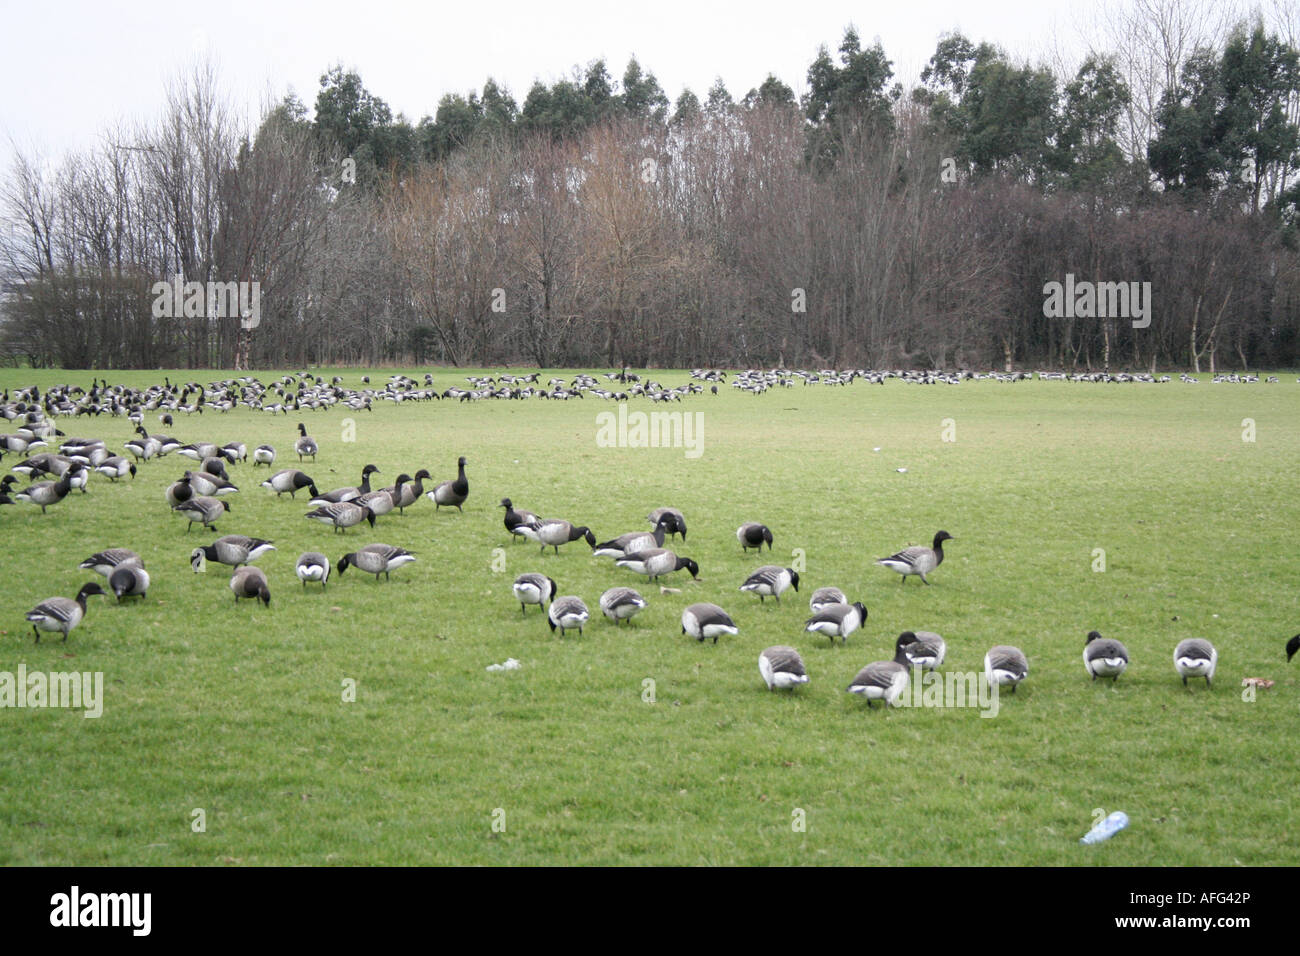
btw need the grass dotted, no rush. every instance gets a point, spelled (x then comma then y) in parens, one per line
(238, 710)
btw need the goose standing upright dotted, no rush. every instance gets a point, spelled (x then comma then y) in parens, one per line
(452, 492)
(46, 493)
(304, 445)
(918, 560)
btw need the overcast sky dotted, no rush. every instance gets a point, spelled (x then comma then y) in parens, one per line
(71, 69)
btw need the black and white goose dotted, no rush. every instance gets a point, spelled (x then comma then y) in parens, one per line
(918, 560)
(654, 562)
(771, 580)
(620, 604)
(264, 455)
(383, 500)
(782, 667)
(753, 535)
(553, 532)
(1104, 657)
(106, 561)
(676, 521)
(837, 620)
(924, 649)
(633, 541)
(61, 614)
(823, 598)
(115, 467)
(231, 550)
(304, 446)
(1195, 657)
(250, 582)
(533, 589)
(205, 483)
(883, 680)
(454, 492)
(566, 613)
(703, 621)
(1004, 665)
(376, 559)
(405, 495)
(290, 480)
(130, 580)
(343, 515)
(202, 510)
(350, 493)
(518, 522)
(46, 493)
(313, 566)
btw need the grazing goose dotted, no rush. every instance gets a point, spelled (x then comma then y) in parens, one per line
(264, 455)
(676, 521)
(144, 447)
(1195, 657)
(703, 621)
(347, 494)
(129, 581)
(405, 495)
(105, 562)
(837, 620)
(1292, 646)
(179, 491)
(782, 667)
(313, 566)
(376, 559)
(235, 451)
(202, 510)
(1103, 657)
(656, 561)
(533, 589)
(883, 680)
(304, 445)
(918, 559)
(60, 613)
(232, 550)
(753, 535)
(567, 612)
(46, 493)
(290, 480)
(771, 581)
(205, 483)
(823, 598)
(924, 649)
(383, 500)
(115, 467)
(620, 604)
(633, 541)
(519, 522)
(343, 515)
(1005, 665)
(553, 532)
(452, 492)
(250, 582)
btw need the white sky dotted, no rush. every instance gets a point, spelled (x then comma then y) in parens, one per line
(71, 69)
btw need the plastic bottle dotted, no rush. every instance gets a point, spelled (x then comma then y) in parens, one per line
(1106, 828)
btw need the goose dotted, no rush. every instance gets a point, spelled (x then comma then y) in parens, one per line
(519, 522)
(347, 494)
(234, 451)
(823, 598)
(553, 532)
(405, 495)
(383, 500)
(202, 510)
(621, 604)
(1195, 657)
(656, 561)
(264, 455)
(115, 467)
(452, 492)
(676, 521)
(313, 566)
(179, 491)
(144, 447)
(533, 589)
(46, 493)
(883, 680)
(376, 559)
(924, 649)
(106, 561)
(250, 582)
(1103, 657)
(703, 621)
(290, 480)
(1005, 665)
(633, 541)
(771, 581)
(232, 550)
(918, 559)
(199, 450)
(782, 667)
(60, 613)
(304, 445)
(753, 535)
(567, 612)
(343, 515)
(205, 483)
(1292, 646)
(837, 620)
(129, 580)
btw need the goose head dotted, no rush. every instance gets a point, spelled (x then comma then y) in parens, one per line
(690, 566)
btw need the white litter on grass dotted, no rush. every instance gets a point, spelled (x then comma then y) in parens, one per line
(875, 449)
(902, 471)
(510, 665)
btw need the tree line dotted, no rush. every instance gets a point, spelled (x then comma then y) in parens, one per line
(598, 223)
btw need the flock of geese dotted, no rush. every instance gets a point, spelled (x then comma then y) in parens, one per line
(200, 496)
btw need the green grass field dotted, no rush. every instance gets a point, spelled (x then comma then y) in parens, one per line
(239, 711)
